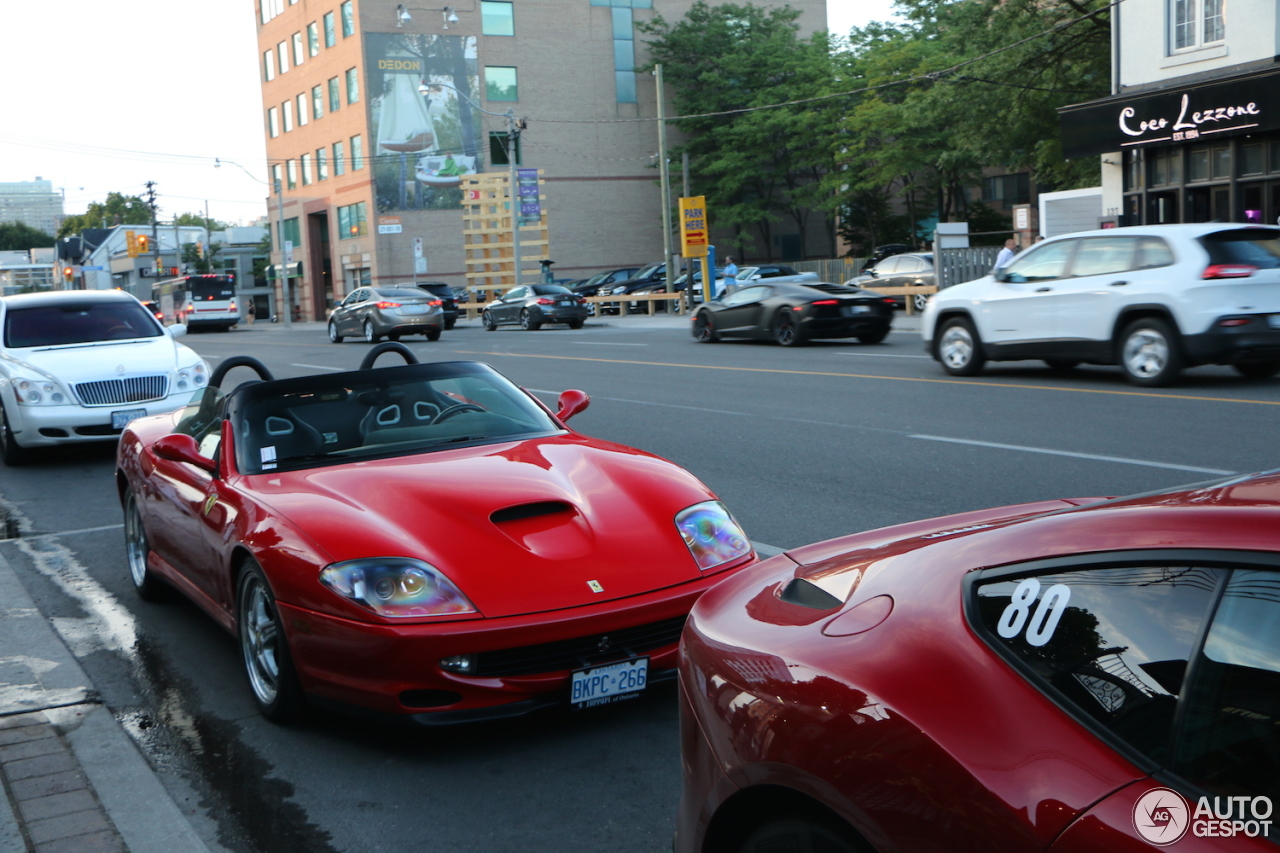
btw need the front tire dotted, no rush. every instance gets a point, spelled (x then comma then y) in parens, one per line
(370, 335)
(333, 333)
(786, 331)
(264, 650)
(1150, 355)
(793, 835)
(137, 547)
(14, 454)
(959, 349)
(487, 320)
(704, 329)
(528, 323)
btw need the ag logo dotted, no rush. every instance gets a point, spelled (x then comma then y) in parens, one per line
(1161, 816)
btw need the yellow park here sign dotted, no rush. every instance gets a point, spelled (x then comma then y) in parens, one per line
(693, 227)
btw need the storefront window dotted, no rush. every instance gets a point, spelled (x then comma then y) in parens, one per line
(1221, 162)
(1251, 203)
(1132, 170)
(1198, 165)
(1252, 159)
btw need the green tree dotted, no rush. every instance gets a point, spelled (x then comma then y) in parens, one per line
(753, 165)
(201, 221)
(118, 209)
(200, 258)
(18, 236)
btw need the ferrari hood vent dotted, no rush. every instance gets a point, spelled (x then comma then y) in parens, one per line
(529, 510)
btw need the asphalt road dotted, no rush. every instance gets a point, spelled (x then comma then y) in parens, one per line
(803, 445)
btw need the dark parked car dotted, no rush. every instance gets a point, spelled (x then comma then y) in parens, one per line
(590, 286)
(915, 268)
(535, 304)
(792, 314)
(448, 299)
(372, 312)
(648, 275)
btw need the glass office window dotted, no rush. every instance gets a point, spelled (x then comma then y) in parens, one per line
(282, 53)
(317, 101)
(357, 152)
(287, 107)
(330, 34)
(500, 83)
(339, 159)
(306, 169)
(335, 99)
(273, 122)
(348, 19)
(269, 65)
(497, 18)
(322, 163)
(302, 110)
(313, 39)
(291, 171)
(353, 220)
(298, 52)
(353, 86)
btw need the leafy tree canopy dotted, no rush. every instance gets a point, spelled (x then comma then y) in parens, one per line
(118, 209)
(18, 236)
(200, 220)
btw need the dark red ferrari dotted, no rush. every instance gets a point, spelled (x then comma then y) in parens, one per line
(1065, 676)
(422, 540)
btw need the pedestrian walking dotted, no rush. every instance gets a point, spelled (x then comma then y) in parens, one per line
(251, 312)
(1006, 254)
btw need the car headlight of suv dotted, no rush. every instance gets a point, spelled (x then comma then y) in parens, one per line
(191, 378)
(36, 390)
(711, 534)
(396, 587)
(618, 290)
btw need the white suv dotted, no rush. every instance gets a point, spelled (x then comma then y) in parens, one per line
(1153, 299)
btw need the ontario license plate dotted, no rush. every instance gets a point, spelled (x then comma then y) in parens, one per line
(613, 682)
(120, 420)
(566, 303)
(850, 310)
(415, 309)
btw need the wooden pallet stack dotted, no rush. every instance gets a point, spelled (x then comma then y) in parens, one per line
(486, 234)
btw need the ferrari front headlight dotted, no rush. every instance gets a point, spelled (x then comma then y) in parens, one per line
(711, 534)
(396, 587)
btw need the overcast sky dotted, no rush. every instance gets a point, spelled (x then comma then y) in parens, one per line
(103, 97)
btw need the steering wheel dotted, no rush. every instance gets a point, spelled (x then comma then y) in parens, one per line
(456, 409)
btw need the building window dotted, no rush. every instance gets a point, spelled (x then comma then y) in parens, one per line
(292, 234)
(298, 54)
(317, 101)
(624, 55)
(282, 52)
(269, 65)
(291, 173)
(497, 18)
(1195, 23)
(357, 152)
(271, 8)
(1008, 190)
(330, 34)
(302, 110)
(335, 100)
(273, 122)
(322, 164)
(500, 83)
(353, 86)
(498, 141)
(306, 170)
(348, 19)
(275, 178)
(287, 106)
(339, 159)
(313, 39)
(352, 221)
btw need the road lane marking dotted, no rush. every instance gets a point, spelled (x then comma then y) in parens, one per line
(884, 355)
(606, 344)
(74, 532)
(1094, 456)
(886, 378)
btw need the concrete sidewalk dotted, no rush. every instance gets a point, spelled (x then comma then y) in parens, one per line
(73, 780)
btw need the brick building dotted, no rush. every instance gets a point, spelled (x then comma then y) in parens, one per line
(374, 110)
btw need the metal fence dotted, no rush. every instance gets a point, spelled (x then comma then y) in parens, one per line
(959, 265)
(838, 270)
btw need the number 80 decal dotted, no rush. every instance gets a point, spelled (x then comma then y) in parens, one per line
(1043, 622)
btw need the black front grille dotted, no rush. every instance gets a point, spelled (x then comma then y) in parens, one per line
(580, 651)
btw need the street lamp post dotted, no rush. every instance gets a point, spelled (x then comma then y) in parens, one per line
(665, 173)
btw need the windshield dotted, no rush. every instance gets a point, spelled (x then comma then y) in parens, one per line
(550, 290)
(211, 288)
(78, 323)
(309, 421)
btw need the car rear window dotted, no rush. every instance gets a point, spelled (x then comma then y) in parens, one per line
(1259, 247)
(549, 289)
(78, 323)
(444, 291)
(401, 293)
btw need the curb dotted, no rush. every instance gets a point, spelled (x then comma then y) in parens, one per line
(72, 779)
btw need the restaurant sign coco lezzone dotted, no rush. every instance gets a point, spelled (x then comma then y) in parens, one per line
(1172, 116)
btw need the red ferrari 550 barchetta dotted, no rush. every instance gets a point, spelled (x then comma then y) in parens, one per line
(1066, 676)
(424, 540)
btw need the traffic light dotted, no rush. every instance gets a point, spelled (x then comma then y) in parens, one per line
(143, 243)
(200, 249)
(68, 273)
(131, 243)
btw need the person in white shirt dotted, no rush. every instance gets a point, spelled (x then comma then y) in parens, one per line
(1006, 254)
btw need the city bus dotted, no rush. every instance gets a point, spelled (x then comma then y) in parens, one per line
(199, 301)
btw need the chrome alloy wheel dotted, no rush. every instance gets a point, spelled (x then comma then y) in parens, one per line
(956, 347)
(260, 638)
(135, 541)
(1146, 353)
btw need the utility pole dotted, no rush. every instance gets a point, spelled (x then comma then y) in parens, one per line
(513, 190)
(284, 275)
(155, 225)
(666, 179)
